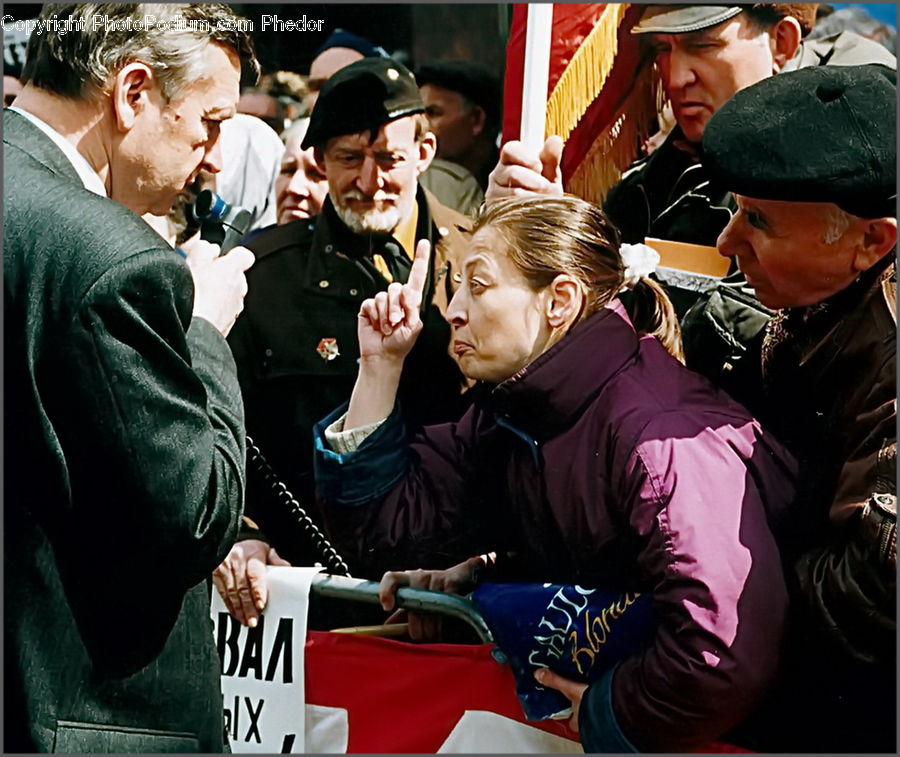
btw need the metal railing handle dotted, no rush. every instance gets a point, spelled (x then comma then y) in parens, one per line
(418, 600)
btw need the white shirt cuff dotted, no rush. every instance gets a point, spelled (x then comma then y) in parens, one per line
(342, 441)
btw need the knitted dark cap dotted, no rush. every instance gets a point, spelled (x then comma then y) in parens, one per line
(820, 134)
(362, 97)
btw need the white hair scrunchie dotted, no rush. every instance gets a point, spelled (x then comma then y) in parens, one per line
(639, 260)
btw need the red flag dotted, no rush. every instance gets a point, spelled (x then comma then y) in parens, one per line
(602, 97)
(408, 698)
(403, 697)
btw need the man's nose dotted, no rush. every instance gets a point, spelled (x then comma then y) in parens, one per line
(726, 242)
(370, 178)
(679, 71)
(212, 158)
(298, 185)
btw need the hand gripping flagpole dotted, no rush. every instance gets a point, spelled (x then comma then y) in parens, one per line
(536, 75)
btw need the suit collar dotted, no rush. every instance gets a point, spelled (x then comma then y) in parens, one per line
(50, 148)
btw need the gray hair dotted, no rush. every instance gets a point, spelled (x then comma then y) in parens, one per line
(836, 223)
(81, 46)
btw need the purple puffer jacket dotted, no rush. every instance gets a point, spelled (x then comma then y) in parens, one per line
(603, 463)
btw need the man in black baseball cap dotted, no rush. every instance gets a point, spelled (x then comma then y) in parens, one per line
(810, 157)
(295, 344)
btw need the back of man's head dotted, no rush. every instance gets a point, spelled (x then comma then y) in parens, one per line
(83, 45)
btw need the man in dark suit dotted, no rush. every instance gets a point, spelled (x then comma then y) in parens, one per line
(124, 425)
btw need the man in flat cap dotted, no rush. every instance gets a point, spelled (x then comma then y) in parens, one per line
(810, 158)
(704, 54)
(295, 343)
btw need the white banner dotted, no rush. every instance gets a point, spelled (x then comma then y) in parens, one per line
(262, 667)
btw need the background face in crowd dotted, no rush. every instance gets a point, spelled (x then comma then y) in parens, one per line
(454, 124)
(373, 184)
(301, 186)
(498, 320)
(784, 250)
(701, 70)
(325, 65)
(263, 106)
(170, 143)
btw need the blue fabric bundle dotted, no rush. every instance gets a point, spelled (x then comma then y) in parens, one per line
(576, 632)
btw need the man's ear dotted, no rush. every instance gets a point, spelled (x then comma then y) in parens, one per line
(130, 93)
(878, 239)
(479, 119)
(785, 39)
(427, 149)
(565, 301)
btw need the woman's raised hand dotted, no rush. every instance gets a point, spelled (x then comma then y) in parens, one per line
(389, 322)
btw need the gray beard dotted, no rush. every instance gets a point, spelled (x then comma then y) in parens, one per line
(375, 221)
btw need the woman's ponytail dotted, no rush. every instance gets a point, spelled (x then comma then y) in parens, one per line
(651, 312)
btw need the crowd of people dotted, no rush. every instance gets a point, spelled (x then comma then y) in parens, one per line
(464, 373)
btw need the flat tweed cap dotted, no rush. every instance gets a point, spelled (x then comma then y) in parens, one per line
(820, 134)
(360, 97)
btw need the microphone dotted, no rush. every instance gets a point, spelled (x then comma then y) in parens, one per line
(220, 223)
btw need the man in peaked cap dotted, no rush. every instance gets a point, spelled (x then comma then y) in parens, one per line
(810, 158)
(295, 343)
(704, 54)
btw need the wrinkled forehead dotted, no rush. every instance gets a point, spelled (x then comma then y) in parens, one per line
(487, 245)
(686, 38)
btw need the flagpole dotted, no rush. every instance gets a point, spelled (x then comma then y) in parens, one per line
(537, 74)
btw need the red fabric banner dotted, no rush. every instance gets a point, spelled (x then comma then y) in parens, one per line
(402, 697)
(572, 24)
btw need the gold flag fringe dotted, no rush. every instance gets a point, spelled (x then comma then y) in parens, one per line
(584, 77)
(617, 147)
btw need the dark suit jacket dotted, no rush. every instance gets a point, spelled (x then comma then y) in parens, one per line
(124, 472)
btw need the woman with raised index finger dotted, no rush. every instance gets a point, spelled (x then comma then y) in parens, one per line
(592, 456)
